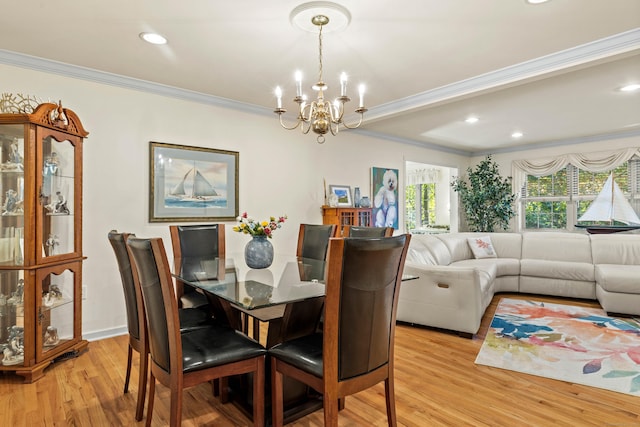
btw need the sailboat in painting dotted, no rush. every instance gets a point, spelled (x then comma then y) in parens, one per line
(193, 187)
(610, 206)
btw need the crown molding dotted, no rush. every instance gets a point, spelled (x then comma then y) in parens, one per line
(600, 49)
(617, 44)
(102, 77)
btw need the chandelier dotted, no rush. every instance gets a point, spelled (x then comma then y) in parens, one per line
(319, 115)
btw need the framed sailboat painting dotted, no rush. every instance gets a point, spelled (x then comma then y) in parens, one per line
(192, 183)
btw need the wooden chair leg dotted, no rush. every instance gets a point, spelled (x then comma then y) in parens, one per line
(152, 393)
(330, 404)
(142, 385)
(277, 400)
(128, 375)
(258, 393)
(342, 403)
(391, 402)
(224, 389)
(175, 418)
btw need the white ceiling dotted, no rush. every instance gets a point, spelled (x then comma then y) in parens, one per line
(548, 70)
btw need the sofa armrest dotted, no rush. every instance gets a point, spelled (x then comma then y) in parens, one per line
(445, 297)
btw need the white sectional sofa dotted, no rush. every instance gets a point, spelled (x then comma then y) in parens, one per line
(454, 287)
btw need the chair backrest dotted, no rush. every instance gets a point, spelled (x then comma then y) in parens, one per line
(132, 302)
(194, 243)
(362, 288)
(313, 240)
(161, 308)
(355, 231)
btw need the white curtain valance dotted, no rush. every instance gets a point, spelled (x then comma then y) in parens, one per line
(600, 161)
(423, 176)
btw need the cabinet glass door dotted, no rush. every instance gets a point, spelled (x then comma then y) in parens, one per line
(57, 196)
(56, 311)
(12, 188)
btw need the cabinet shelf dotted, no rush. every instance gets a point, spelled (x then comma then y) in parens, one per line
(56, 304)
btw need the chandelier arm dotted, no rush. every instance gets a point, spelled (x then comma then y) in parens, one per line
(334, 132)
(356, 125)
(302, 127)
(289, 127)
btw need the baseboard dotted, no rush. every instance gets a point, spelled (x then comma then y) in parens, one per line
(105, 333)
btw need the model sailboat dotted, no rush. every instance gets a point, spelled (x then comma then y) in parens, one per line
(610, 206)
(201, 189)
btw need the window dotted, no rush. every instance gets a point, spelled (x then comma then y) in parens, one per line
(421, 205)
(557, 201)
(428, 198)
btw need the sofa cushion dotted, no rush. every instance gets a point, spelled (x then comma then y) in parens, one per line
(618, 278)
(427, 249)
(556, 246)
(481, 247)
(503, 266)
(580, 271)
(457, 245)
(486, 268)
(615, 249)
(507, 245)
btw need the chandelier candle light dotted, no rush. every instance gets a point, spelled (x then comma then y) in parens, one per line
(320, 116)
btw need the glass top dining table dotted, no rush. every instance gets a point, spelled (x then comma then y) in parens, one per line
(289, 279)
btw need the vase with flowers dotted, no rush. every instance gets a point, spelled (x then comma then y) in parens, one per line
(258, 253)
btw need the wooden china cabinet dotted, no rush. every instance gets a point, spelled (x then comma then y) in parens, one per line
(40, 239)
(341, 216)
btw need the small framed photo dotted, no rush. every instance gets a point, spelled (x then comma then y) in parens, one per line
(192, 183)
(343, 192)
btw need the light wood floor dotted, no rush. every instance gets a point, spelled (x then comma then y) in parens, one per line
(437, 384)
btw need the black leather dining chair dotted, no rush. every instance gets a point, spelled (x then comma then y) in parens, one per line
(181, 360)
(189, 318)
(191, 245)
(356, 231)
(313, 240)
(355, 349)
(194, 249)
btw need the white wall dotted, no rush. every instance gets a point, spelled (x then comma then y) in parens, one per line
(281, 172)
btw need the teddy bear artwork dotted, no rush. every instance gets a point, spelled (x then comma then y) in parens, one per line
(385, 188)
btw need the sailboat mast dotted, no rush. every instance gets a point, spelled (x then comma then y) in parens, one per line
(613, 193)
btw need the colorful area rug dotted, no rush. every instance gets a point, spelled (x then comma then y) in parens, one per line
(574, 344)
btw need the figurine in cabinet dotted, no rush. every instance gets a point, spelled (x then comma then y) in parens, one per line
(11, 203)
(14, 154)
(51, 244)
(51, 336)
(61, 204)
(13, 353)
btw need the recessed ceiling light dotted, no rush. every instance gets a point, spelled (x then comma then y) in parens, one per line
(630, 88)
(471, 119)
(536, 1)
(517, 135)
(153, 38)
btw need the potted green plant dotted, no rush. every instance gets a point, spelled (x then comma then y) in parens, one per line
(486, 197)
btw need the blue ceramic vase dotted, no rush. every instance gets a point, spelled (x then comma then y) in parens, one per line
(258, 253)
